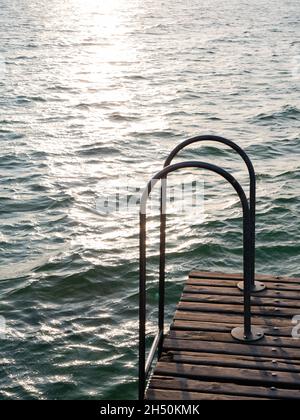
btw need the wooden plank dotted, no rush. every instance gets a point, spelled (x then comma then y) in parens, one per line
(234, 291)
(162, 394)
(236, 309)
(242, 376)
(233, 283)
(227, 338)
(225, 328)
(221, 360)
(249, 362)
(168, 382)
(240, 276)
(232, 319)
(238, 300)
(211, 282)
(231, 348)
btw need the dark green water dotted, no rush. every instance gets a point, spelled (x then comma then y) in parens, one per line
(94, 93)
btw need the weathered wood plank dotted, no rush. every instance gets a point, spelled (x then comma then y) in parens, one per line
(161, 394)
(211, 282)
(225, 328)
(238, 300)
(226, 284)
(179, 383)
(232, 349)
(249, 362)
(234, 291)
(242, 376)
(270, 322)
(228, 357)
(236, 309)
(227, 338)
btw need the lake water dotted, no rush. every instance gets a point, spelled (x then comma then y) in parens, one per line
(94, 94)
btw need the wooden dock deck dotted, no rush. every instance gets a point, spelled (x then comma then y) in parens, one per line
(202, 361)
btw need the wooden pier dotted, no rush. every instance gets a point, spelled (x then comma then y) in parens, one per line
(202, 361)
(233, 336)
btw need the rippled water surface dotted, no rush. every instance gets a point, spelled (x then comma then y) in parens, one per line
(91, 90)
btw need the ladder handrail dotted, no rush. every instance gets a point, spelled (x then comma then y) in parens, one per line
(252, 182)
(144, 367)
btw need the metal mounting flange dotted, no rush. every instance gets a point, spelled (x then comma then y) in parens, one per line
(239, 334)
(258, 287)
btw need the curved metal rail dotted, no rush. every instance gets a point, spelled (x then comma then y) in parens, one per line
(247, 332)
(256, 286)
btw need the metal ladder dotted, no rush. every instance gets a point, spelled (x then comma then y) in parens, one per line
(246, 333)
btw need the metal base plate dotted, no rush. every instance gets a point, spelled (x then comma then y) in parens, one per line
(258, 287)
(239, 334)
